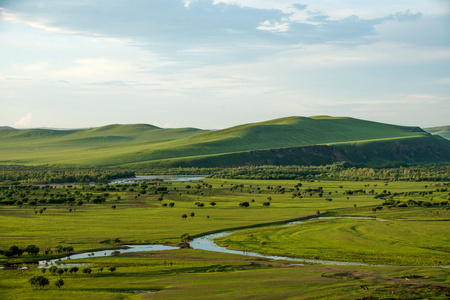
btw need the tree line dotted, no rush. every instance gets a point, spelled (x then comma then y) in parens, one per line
(15, 174)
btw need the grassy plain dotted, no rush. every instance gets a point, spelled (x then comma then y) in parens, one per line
(411, 236)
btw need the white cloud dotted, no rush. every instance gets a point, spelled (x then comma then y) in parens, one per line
(24, 121)
(273, 26)
(88, 69)
(345, 8)
(37, 23)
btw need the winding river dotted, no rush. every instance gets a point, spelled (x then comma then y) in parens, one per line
(207, 243)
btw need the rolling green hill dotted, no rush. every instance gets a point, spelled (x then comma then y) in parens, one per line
(292, 140)
(443, 131)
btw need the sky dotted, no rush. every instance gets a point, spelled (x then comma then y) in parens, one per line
(213, 64)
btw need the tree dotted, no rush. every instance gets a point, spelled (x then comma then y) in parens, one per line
(60, 272)
(184, 216)
(112, 269)
(186, 238)
(34, 282)
(32, 250)
(87, 271)
(59, 283)
(15, 251)
(263, 243)
(53, 270)
(38, 282)
(100, 270)
(171, 204)
(192, 214)
(8, 253)
(73, 270)
(244, 204)
(266, 203)
(212, 203)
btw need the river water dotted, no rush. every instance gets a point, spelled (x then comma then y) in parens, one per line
(152, 177)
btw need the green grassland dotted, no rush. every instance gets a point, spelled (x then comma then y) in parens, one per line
(415, 236)
(443, 131)
(147, 145)
(391, 242)
(195, 274)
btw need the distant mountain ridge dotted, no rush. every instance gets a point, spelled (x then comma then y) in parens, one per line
(443, 131)
(284, 141)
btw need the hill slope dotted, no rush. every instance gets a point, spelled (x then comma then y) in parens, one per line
(443, 131)
(281, 141)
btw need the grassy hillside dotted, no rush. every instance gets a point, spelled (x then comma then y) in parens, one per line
(379, 153)
(443, 131)
(115, 145)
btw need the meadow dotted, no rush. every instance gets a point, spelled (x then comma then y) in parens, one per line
(412, 242)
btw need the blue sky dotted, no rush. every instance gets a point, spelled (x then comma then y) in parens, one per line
(217, 63)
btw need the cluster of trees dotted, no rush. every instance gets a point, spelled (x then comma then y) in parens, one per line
(39, 282)
(337, 171)
(397, 203)
(33, 250)
(14, 174)
(35, 195)
(15, 251)
(192, 214)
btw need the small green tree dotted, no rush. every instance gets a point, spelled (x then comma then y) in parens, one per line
(32, 250)
(184, 216)
(186, 238)
(112, 269)
(53, 270)
(59, 283)
(60, 272)
(73, 270)
(87, 271)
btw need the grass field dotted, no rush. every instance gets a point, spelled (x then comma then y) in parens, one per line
(413, 235)
(195, 274)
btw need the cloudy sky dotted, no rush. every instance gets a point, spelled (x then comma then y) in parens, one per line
(218, 63)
